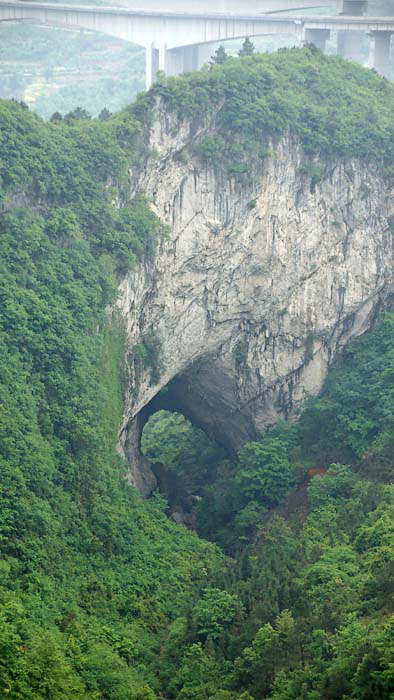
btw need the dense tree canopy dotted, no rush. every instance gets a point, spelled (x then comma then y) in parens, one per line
(336, 107)
(88, 569)
(286, 592)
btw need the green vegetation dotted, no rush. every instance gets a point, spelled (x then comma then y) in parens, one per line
(305, 608)
(247, 48)
(147, 355)
(219, 57)
(286, 592)
(348, 424)
(184, 450)
(336, 107)
(88, 569)
(54, 69)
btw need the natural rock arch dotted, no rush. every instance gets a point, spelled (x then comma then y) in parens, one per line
(258, 287)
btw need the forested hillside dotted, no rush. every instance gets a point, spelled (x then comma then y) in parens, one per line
(285, 590)
(306, 515)
(53, 69)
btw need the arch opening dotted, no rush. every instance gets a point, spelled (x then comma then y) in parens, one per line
(185, 462)
(219, 474)
(207, 395)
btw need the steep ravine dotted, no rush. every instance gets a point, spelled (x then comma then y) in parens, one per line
(259, 284)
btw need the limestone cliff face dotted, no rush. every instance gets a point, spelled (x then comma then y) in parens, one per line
(258, 286)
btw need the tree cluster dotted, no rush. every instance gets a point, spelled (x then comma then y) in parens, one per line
(286, 589)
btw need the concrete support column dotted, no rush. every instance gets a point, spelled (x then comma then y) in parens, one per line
(148, 66)
(381, 52)
(174, 61)
(299, 30)
(155, 60)
(190, 58)
(205, 53)
(354, 8)
(182, 60)
(318, 37)
(350, 43)
(162, 57)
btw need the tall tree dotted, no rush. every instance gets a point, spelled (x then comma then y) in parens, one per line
(247, 48)
(220, 56)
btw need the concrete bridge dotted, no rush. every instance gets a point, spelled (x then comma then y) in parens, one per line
(179, 41)
(232, 7)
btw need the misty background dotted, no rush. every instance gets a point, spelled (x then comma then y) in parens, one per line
(53, 69)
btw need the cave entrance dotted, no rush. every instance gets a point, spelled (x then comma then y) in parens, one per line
(184, 460)
(207, 394)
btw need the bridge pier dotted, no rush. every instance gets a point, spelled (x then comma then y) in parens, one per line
(174, 61)
(381, 52)
(183, 59)
(148, 66)
(190, 58)
(350, 43)
(151, 65)
(199, 33)
(205, 53)
(318, 37)
(354, 8)
(155, 60)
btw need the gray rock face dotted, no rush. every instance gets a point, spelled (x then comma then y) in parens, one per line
(257, 288)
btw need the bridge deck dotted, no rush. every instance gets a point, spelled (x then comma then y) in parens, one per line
(163, 32)
(316, 21)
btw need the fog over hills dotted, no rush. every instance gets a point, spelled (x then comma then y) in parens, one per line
(52, 69)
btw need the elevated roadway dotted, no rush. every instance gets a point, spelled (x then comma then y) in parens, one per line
(181, 40)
